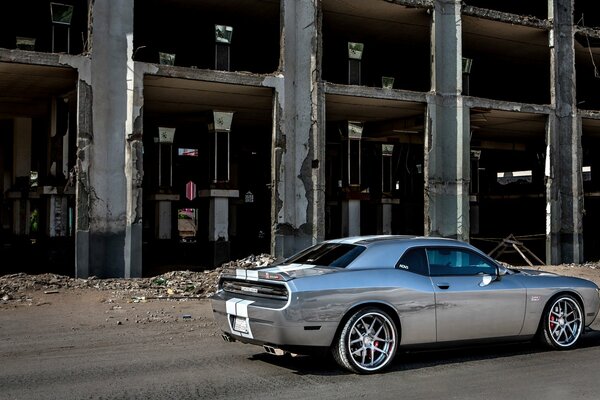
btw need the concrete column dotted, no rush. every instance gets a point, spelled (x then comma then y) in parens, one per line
(218, 219)
(21, 169)
(103, 190)
(21, 147)
(351, 217)
(564, 182)
(447, 130)
(82, 186)
(218, 222)
(134, 168)
(384, 215)
(299, 141)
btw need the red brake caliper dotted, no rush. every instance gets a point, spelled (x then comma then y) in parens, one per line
(552, 324)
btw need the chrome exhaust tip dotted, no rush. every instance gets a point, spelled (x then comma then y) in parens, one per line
(273, 350)
(227, 337)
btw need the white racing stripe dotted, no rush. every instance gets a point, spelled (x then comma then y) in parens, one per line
(252, 275)
(230, 305)
(290, 268)
(239, 309)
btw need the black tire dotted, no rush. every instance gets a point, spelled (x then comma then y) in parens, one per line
(367, 342)
(562, 323)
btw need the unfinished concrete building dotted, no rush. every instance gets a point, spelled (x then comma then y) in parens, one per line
(139, 135)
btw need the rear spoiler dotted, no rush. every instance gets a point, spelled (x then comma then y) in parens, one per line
(255, 275)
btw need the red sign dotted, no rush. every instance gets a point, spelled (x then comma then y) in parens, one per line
(190, 190)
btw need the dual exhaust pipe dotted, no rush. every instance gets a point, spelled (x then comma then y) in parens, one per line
(269, 349)
(273, 350)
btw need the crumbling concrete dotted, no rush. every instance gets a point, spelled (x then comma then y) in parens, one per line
(564, 186)
(505, 17)
(296, 176)
(375, 93)
(104, 180)
(447, 130)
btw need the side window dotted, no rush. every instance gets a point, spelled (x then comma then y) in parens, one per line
(447, 261)
(414, 260)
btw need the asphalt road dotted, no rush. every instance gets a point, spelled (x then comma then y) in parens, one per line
(80, 346)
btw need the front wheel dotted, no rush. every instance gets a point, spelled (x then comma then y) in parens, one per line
(562, 323)
(367, 342)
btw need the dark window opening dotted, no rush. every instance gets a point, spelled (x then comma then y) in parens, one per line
(510, 62)
(586, 14)
(396, 45)
(587, 70)
(187, 31)
(27, 25)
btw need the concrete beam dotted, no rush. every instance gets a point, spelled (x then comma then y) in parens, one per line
(591, 32)
(589, 114)
(375, 93)
(413, 3)
(564, 181)
(447, 130)
(515, 19)
(477, 102)
(234, 78)
(30, 57)
(298, 178)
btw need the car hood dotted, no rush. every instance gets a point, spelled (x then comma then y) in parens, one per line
(533, 272)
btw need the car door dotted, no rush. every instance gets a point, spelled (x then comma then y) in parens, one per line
(470, 305)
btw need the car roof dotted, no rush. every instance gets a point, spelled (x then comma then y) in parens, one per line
(399, 239)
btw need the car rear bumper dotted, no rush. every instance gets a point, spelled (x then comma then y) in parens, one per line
(271, 326)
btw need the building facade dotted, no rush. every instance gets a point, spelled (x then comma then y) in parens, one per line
(136, 135)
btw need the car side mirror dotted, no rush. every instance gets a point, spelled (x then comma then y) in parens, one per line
(501, 271)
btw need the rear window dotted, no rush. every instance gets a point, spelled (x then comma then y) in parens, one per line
(328, 255)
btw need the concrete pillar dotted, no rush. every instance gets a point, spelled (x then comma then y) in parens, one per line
(82, 186)
(163, 220)
(103, 185)
(134, 168)
(299, 141)
(384, 215)
(21, 148)
(564, 182)
(447, 130)
(218, 222)
(351, 217)
(21, 170)
(218, 219)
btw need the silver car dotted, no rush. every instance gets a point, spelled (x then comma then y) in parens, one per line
(364, 297)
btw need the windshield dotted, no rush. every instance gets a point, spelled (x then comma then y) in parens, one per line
(328, 255)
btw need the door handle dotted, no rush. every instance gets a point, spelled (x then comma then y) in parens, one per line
(443, 285)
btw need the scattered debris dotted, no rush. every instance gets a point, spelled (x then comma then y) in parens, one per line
(175, 285)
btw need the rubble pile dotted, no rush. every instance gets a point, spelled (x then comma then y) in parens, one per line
(173, 285)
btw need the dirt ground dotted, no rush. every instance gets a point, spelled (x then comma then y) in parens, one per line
(155, 338)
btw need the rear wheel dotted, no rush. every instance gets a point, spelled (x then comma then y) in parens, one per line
(367, 342)
(562, 323)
